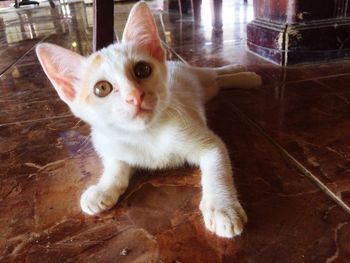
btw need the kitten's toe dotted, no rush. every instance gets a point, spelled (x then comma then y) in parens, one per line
(224, 222)
(95, 200)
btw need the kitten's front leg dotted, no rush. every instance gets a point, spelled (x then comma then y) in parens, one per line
(105, 194)
(222, 212)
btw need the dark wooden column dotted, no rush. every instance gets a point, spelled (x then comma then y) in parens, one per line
(293, 31)
(103, 28)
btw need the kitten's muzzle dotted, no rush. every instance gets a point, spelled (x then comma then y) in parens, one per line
(135, 97)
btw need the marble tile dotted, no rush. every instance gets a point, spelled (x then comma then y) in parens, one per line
(310, 120)
(46, 166)
(22, 29)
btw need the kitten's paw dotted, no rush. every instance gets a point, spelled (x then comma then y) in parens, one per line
(224, 222)
(95, 199)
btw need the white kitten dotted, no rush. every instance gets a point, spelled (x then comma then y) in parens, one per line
(146, 112)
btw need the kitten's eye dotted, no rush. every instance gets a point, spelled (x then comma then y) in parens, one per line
(102, 88)
(142, 70)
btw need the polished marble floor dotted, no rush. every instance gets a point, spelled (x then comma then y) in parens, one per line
(288, 140)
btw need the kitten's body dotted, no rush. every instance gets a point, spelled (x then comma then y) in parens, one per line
(160, 144)
(152, 122)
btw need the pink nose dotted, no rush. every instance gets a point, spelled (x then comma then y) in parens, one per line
(135, 97)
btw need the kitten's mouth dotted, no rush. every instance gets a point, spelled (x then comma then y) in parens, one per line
(139, 112)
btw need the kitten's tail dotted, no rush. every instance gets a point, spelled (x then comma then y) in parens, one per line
(230, 76)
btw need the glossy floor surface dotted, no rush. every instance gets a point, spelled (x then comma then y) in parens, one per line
(288, 140)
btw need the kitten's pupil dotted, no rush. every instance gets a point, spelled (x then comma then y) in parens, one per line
(142, 70)
(102, 88)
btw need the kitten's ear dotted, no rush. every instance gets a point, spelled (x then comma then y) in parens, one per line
(61, 67)
(141, 30)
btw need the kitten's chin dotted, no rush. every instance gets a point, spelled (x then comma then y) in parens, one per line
(134, 126)
(138, 122)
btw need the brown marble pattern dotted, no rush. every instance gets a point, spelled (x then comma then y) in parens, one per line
(305, 108)
(47, 159)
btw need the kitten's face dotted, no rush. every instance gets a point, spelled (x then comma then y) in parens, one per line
(121, 87)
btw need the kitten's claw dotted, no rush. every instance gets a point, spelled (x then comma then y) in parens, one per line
(96, 200)
(224, 221)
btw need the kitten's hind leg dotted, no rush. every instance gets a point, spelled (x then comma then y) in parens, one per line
(229, 69)
(239, 80)
(230, 76)
(105, 194)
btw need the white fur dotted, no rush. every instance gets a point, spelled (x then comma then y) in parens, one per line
(169, 133)
(178, 133)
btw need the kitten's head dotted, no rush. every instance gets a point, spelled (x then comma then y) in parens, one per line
(121, 86)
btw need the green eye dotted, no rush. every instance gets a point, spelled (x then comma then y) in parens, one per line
(142, 70)
(102, 88)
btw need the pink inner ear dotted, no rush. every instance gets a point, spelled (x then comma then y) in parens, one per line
(141, 30)
(150, 44)
(60, 66)
(66, 88)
